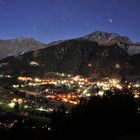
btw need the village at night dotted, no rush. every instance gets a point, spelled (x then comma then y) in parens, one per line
(69, 69)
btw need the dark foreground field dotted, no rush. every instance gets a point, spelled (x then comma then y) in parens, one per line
(110, 118)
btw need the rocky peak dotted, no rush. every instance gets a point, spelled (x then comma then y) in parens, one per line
(106, 37)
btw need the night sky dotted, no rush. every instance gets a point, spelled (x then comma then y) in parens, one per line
(51, 20)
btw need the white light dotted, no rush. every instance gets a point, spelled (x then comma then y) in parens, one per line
(15, 86)
(37, 80)
(117, 66)
(136, 96)
(119, 87)
(101, 93)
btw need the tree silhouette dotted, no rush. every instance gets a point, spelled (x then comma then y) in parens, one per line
(102, 118)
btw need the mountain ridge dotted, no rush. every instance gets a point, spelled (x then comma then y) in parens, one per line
(18, 46)
(23, 45)
(77, 56)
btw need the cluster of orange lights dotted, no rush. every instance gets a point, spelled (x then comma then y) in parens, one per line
(73, 98)
(25, 79)
(68, 98)
(36, 80)
(136, 94)
(70, 80)
(17, 100)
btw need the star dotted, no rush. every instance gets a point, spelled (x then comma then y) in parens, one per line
(110, 20)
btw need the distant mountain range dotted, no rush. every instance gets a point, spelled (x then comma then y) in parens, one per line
(19, 46)
(98, 54)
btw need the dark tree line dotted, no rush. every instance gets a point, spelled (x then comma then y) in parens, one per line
(97, 118)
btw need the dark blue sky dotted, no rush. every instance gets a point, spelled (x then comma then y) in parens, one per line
(51, 20)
